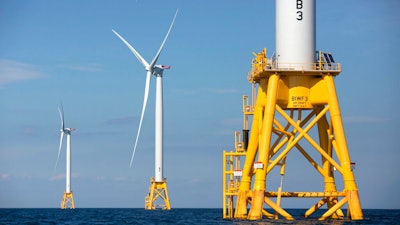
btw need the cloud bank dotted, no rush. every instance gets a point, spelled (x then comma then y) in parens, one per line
(13, 71)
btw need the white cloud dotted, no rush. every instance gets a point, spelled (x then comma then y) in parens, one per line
(90, 67)
(61, 176)
(29, 131)
(58, 177)
(4, 176)
(13, 71)
(100, 178)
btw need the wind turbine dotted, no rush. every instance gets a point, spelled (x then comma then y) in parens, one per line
(158, 183)
(68, 199)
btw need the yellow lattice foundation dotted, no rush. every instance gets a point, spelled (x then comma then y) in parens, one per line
(68, 201)
(290, 104)
(158, 196)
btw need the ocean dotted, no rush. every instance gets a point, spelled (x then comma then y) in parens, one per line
(83, 216)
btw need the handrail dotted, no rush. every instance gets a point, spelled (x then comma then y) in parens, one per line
(260, 64)
(323, 66)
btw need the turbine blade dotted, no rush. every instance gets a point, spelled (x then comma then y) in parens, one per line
(61, 112)
(162, 44)
(138, 56)
(59, 149)
(146, 95)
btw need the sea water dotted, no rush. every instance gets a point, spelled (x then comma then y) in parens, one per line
(173, 216)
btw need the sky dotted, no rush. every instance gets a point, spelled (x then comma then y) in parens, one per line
(65, 50)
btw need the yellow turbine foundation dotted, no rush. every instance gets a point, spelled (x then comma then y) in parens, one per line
(289, 105)
(157, 191)
(67, 201)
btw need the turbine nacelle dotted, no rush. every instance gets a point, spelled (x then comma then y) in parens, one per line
(67, 130)
(159, 69)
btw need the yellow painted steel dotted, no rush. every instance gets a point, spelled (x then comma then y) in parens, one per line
(67, 201)
(232, 170)
(307, 103)
(157, 191)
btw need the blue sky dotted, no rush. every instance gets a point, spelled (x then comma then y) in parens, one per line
(66, 49)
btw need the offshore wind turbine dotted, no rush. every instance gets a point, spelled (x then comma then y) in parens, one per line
(158, 186)
(68, 199)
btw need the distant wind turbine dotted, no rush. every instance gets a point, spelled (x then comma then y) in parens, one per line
(158, 188)
(156, 70)
(68, 200)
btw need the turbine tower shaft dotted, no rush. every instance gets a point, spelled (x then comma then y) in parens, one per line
(159, 129)
(68, 165)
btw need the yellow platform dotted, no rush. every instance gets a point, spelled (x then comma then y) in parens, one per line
(292, 107)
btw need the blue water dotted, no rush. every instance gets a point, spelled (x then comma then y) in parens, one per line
(173, 216)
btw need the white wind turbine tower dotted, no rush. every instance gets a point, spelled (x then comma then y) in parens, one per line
(68, 199)
(158, 186)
